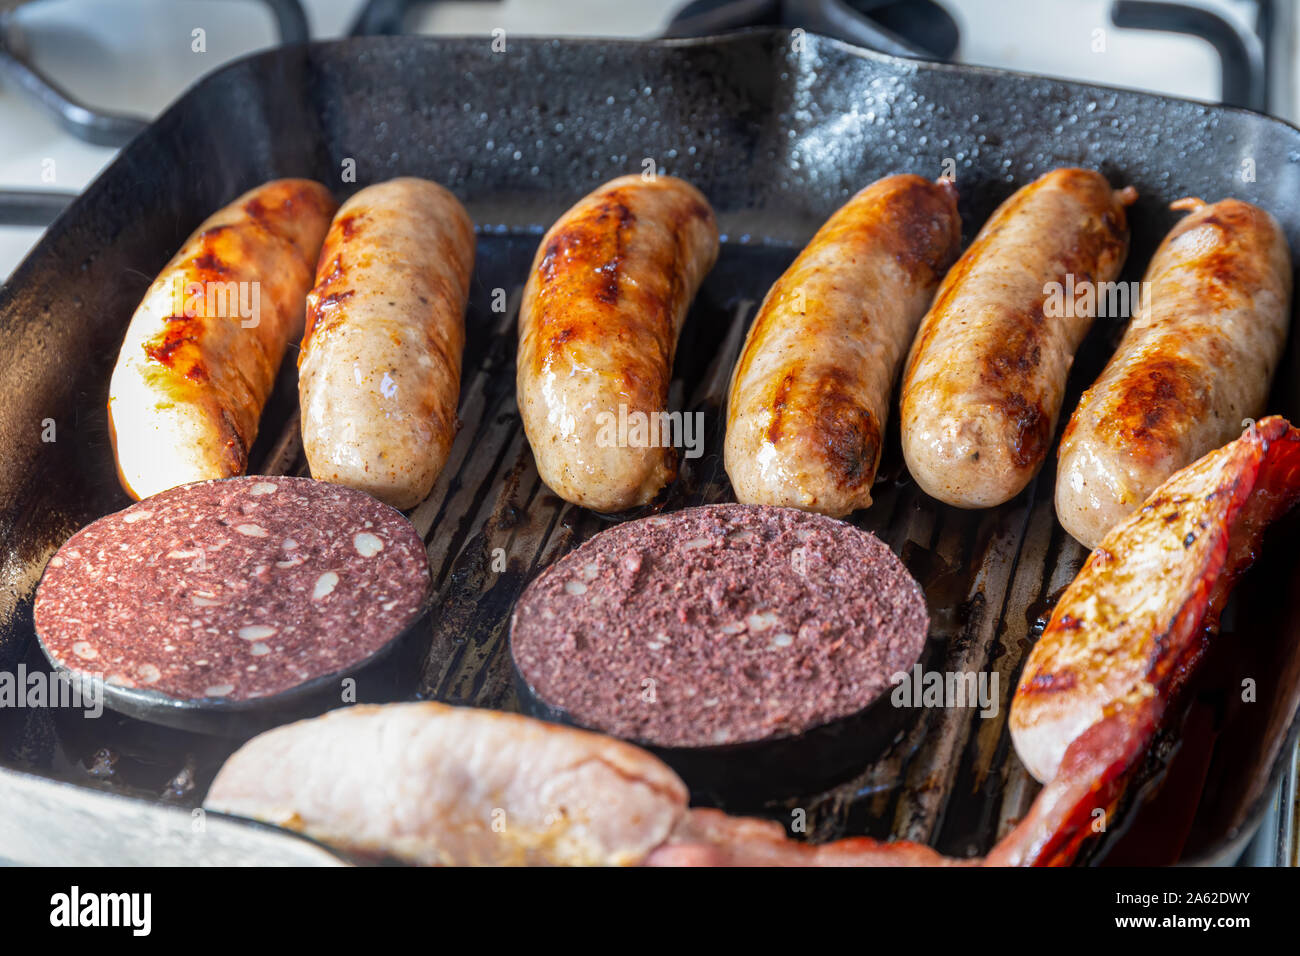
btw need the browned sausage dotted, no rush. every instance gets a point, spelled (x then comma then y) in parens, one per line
(810, 393)
(598, 328)
(194, 372)
(1196, 360)
(379, 370)
(986, 376)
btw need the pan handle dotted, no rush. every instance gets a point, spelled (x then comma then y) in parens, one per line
(832, 18)
(1241, 52)
(98, 127)
(290, 20)
(30, 207)
(104, 127)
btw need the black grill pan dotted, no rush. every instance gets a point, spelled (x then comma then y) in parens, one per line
(777, 132)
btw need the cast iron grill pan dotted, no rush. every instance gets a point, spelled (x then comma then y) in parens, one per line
(777, 137)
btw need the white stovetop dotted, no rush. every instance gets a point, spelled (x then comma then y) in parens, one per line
(135, 56)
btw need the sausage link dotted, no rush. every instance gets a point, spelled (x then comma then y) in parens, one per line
(379, 371)
(194, 371)
(987, 372)
(598, 328)
(1196, 359)
(810, 393)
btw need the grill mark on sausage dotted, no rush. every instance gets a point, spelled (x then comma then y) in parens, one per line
(559, 245)
(235, 442)
(213, 232)
(1236, 260)
(1032, 429)
(1010, 374)
(1014, 363)
(325, 313)
(333, 288)
(176, 348)
(830, 422)
(208, 261)
(275, 208)
(350, 225)
(213, 261)
(328, 302)
(164, 350)
(596, 241)
(1097, 249)
(238, 393)
(850, 432)
(610, 269)
(586, 259)
(1164, 391)
(320, 306)
(913, 219)
(780, 396)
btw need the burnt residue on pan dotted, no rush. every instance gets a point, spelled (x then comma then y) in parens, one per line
(777, 137)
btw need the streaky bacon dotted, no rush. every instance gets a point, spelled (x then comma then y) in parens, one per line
(1138, 601)
(712, 838)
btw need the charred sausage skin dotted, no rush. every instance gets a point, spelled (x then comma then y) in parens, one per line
(1196, 359)
(987, 372)
(598, 327)
(810, 393)
(189, 386)
(379, 370)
